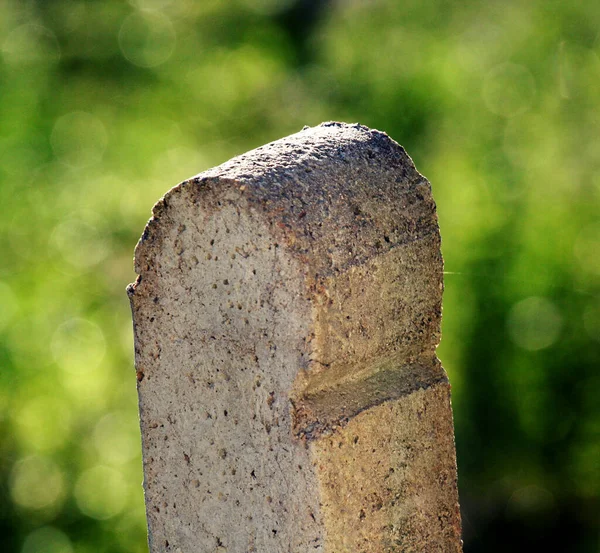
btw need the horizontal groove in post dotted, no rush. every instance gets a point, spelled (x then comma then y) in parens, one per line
(335, 395)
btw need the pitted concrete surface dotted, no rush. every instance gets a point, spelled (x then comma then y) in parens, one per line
(286, 316)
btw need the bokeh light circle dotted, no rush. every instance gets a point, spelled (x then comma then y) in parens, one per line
(43, 423)
(531, 500)
(534, 323)
(78, 345)
(37, 483)
(79, 242)
(116, 438)
(101, 492)
(47, 540)
(79, 139)
(30, 44)
(147, 39)
(508, 89)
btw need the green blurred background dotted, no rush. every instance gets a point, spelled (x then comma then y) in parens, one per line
(104, 105)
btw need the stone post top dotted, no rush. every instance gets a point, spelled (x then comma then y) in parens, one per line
(286, 316)
(348, 206)
(336, 195)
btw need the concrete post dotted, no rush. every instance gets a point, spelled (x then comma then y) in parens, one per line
(286, 316)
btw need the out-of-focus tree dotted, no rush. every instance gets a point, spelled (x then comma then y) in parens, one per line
(106, 104)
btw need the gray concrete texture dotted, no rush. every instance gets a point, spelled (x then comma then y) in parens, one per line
(286, 316)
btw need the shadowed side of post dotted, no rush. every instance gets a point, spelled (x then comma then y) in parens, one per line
(286, 316)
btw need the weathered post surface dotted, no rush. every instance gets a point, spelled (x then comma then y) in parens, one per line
(286, 317)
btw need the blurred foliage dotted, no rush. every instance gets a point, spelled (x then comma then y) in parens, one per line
(106, 104)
